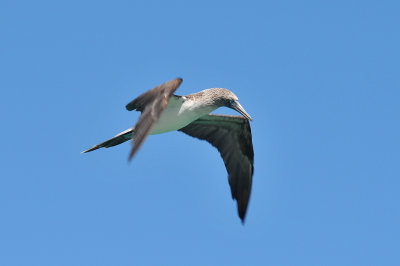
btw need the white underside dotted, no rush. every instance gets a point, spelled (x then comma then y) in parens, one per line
(179, 113)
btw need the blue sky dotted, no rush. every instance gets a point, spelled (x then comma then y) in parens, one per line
(321, 81)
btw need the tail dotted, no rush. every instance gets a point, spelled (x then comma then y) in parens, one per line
(118, 139)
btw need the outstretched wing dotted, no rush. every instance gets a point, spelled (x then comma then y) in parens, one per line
(118, 139)
(151, 104)
(231, 135)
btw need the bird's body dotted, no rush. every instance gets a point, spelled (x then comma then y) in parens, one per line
(162, 111)
(180, 112)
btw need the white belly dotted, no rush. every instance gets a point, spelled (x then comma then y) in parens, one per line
(178, 114)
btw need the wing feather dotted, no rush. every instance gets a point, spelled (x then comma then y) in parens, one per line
(231, 135)
(151, 103)
(148, 97)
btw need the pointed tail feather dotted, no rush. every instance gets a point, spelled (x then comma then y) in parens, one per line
(118, 139)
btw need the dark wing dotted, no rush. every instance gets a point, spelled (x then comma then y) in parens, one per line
(151, 104)
(231, 135)
(118, 139)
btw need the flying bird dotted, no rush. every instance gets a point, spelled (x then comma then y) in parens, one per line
(163, 111)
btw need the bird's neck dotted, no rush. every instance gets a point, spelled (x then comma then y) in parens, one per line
(199, 104)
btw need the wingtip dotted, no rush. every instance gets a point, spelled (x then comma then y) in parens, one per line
(130, 157)
(91, 149)
(85, 151)
(179, 80)
(242, 218)
(133, 152)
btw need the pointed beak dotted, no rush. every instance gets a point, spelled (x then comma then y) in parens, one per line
(236, 106)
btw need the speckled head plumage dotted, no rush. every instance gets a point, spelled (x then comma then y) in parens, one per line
(214, 96)
(219, 97)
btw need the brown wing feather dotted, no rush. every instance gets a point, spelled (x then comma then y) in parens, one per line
(147, 98)
(151, 104)
(231, 135)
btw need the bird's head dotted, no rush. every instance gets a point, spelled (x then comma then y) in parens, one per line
(224, 97)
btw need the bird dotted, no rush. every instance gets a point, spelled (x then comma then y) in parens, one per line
(162, 111)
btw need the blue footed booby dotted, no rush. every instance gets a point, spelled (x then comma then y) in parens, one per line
(163, 111)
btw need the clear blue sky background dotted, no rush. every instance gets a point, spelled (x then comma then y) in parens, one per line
(321, 81)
